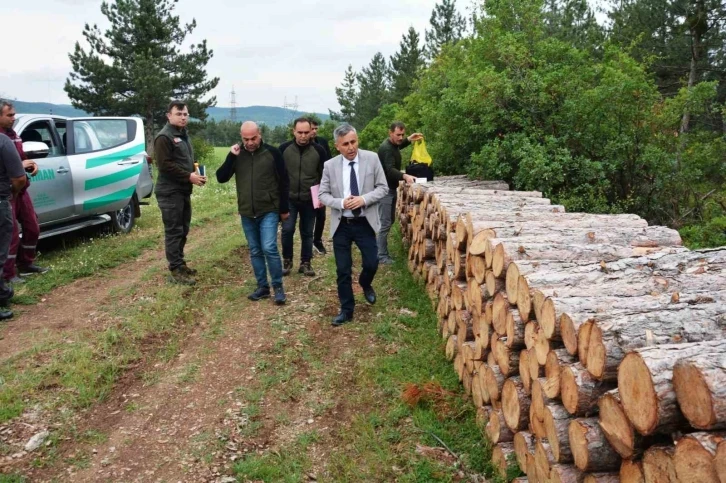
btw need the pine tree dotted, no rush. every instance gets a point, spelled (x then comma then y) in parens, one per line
(347, 95)
(373, 92)
(447, 26)
(406, 65)
(137, 66)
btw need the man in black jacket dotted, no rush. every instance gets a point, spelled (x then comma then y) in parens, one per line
(320, 212)
(390, 155)
(304, 161)
(177, 176)
(262, 200)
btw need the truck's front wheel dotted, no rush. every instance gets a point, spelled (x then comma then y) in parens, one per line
(122, 221)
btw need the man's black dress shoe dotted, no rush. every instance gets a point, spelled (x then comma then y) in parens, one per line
(370, 295)
(341, 319)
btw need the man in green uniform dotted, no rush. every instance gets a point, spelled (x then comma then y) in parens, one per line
(177, 176)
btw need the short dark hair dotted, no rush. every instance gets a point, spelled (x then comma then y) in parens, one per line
(396, 125)
(178, 104)
(313, 122)
(299, 120)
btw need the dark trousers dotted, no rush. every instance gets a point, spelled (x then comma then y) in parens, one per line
(176, 214)
(305, 211)
(319, 224)
(22, 252)
(6, 235)
(360, 233)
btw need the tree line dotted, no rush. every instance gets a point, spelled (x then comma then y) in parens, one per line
(625, 116)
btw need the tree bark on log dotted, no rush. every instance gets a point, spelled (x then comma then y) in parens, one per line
(694, 458)
(616, 427)
(576, 311)
(523, 445)
(497, 430)
(515, 404)
(566, 474)
(700, 385)
(590, 450)
(611, 337)
(557, 423)
(658, 464)
(631, 472)
(580, 391)
(645, 383)
(508, 252)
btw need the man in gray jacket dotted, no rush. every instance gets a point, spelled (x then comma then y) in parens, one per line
(353, 183)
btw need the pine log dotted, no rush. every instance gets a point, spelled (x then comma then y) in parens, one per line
(566, 474)
(616, 427)
(507, 359)
(452, 348)
(514, 330)
(542, 346)
(700, 385)
(515, 404)
(523, 445)
(492, 361)
(486, 397)
(524, 370)
(530, 334)
(535, 370)
(543, 459)
(580, 391)
(536, 425)
(576, 311)
(645, 383)
(590, 450)
(557, 423)
(612, 337)
(539, 400)
(503, 458)
(532, 469)
(602, 478)
(482, 416)
(694, 458)
(497, 430)
(494, 381)
(658, 464)
(478, 268)
(720, 461)
(524, 300)
(500, 308)
(556, 359)
(507, 252)
(466, 380)
(476, 390)
(631, 472)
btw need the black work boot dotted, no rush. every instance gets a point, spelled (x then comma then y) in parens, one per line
(286, 267)
(181, 277)
(280, 297)
(306, 269)
(259, 294)
(31, 269)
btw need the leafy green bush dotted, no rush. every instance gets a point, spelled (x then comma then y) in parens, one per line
(203, 151)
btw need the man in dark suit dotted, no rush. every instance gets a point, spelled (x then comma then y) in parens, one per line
(353, 182)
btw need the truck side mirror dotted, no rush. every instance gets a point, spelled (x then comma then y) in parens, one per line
(35, 149)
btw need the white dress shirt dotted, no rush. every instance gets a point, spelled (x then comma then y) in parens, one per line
(346, 185)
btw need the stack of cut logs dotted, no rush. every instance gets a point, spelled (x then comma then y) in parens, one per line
(592, 345)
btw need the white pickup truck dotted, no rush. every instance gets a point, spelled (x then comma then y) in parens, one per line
(91, 170)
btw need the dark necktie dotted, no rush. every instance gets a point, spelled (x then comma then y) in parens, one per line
(354, 186)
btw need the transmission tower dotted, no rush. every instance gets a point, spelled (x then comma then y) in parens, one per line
(292, 107)
(232, 106)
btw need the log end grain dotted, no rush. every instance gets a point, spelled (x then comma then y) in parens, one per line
(631, 472)
(658, 464)
(693, 463)
(694, 393)
(511, 283)
(615, 425)
(569, 334)
(637, 393)
(515, 404)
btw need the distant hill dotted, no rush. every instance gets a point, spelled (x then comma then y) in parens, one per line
(272, 116)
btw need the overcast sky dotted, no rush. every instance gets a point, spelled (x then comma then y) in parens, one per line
(266, 50)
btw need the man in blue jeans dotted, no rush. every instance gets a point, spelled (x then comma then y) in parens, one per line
(263, 189)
